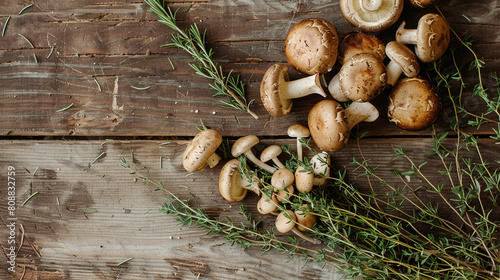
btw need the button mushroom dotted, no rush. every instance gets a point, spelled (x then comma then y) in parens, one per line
(330, 124)
(304, 179)
(359, 42)
(285, 222)
(403, 60)
(285, 194)
(282, 179)
(271, 153)
(361, 78)
(244, 145)
(311, 46)
(305, 218)
(277, 91)
(321, 167)
(201, 151)
(267, 204)
(233, 184)
(298, 131)
(413, 104)
(431, 37)
(371, 15)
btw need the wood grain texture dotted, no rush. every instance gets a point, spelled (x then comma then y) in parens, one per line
(102, 48)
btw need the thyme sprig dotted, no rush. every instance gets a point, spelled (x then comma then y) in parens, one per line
(193, 42)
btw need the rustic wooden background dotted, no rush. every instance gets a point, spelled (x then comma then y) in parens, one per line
(87, 218)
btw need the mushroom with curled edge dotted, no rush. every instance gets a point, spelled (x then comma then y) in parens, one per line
(298, 131)
(321, 167)
(360, 42)
(285, 222)
(431, 37)
(311, 46)
(403, 60)
(233, 183)
(330, 124)
(371, 15)
(305, 218)
(422, 3)
(201, 151)
(360, 79)
(243, 146)
(277, 91)
(413, 104)
(271, 153)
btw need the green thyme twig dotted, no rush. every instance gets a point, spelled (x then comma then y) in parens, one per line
(29, 197)
(5, 25)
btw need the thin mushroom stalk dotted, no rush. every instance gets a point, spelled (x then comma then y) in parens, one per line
(244, 145)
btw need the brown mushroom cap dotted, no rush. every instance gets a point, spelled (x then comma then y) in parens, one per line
(231, 183)
(298, 131)
(371, 16)
(266, 204)
(270, 91)
(200, 149)
(305, 221)
(282, 178)
(304, 179)
(328, 126)
(431, 37)
(311, 46)
(403, 58)
(359, 42)
(285, 222)
(243, 144)
(362, 77)
(413, 104)
(271, 153)
(422, 3)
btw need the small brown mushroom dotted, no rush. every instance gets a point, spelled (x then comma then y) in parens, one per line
(359, 42)
(413, 104)
(267, 205)
(422, 3)
(304, 179)
(282, 178)
(361, 78)
(285, 194)
(244, 145)
(431, 37)
(371, 15)
(321, 167)
(403, 60)
(311, 46)
(330, 124)
(201, 151)
(305, 218)
(277, 91)
(233, 184)
(285, 222)
(298, 131)
(271, 153)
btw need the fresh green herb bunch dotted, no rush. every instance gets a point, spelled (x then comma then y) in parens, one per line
(193, 42)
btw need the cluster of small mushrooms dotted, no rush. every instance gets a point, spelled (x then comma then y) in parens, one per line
(368, 67)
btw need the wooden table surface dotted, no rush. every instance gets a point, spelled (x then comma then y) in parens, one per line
(86, 216)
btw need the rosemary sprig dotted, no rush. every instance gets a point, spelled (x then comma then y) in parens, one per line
(193, 42)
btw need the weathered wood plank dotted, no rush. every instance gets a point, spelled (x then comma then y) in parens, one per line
(86, 218)
(118, 44)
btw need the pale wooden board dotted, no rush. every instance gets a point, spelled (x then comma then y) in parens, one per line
(77, 242)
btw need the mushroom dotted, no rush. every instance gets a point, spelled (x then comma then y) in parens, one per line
(403, 60)
(311, 46)
(361, 78)
(244, 145)
(201, 151)
(267, 205)
(304, 179)
(422, 3)
(285, 222)
(282, 179)
(284, 195)
(360, 42)
(321, 168)
(298, 131)
(431, 37)
(371, 15)
(277, 91)
(305, 218)
(330, 124)
(271, 153)
(233, 184)
(413, 104)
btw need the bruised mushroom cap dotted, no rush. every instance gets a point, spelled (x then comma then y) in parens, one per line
(413, 104)
(432, 37)
(282, 178)
(311, 46)
(360, 42)
(371, 16)
(405, 60)
(231, 183)
(362, 77)
(328, 126)
(422, 3)
(200, 149)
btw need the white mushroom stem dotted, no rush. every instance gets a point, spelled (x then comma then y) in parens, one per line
(250, 156)
(213, 160)
(394, 71)
(335, 90)
(278, 163)
(372, 5)
(302, 87)
(406, 36)
(299, 149)
(305, 237)
(360, 111)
